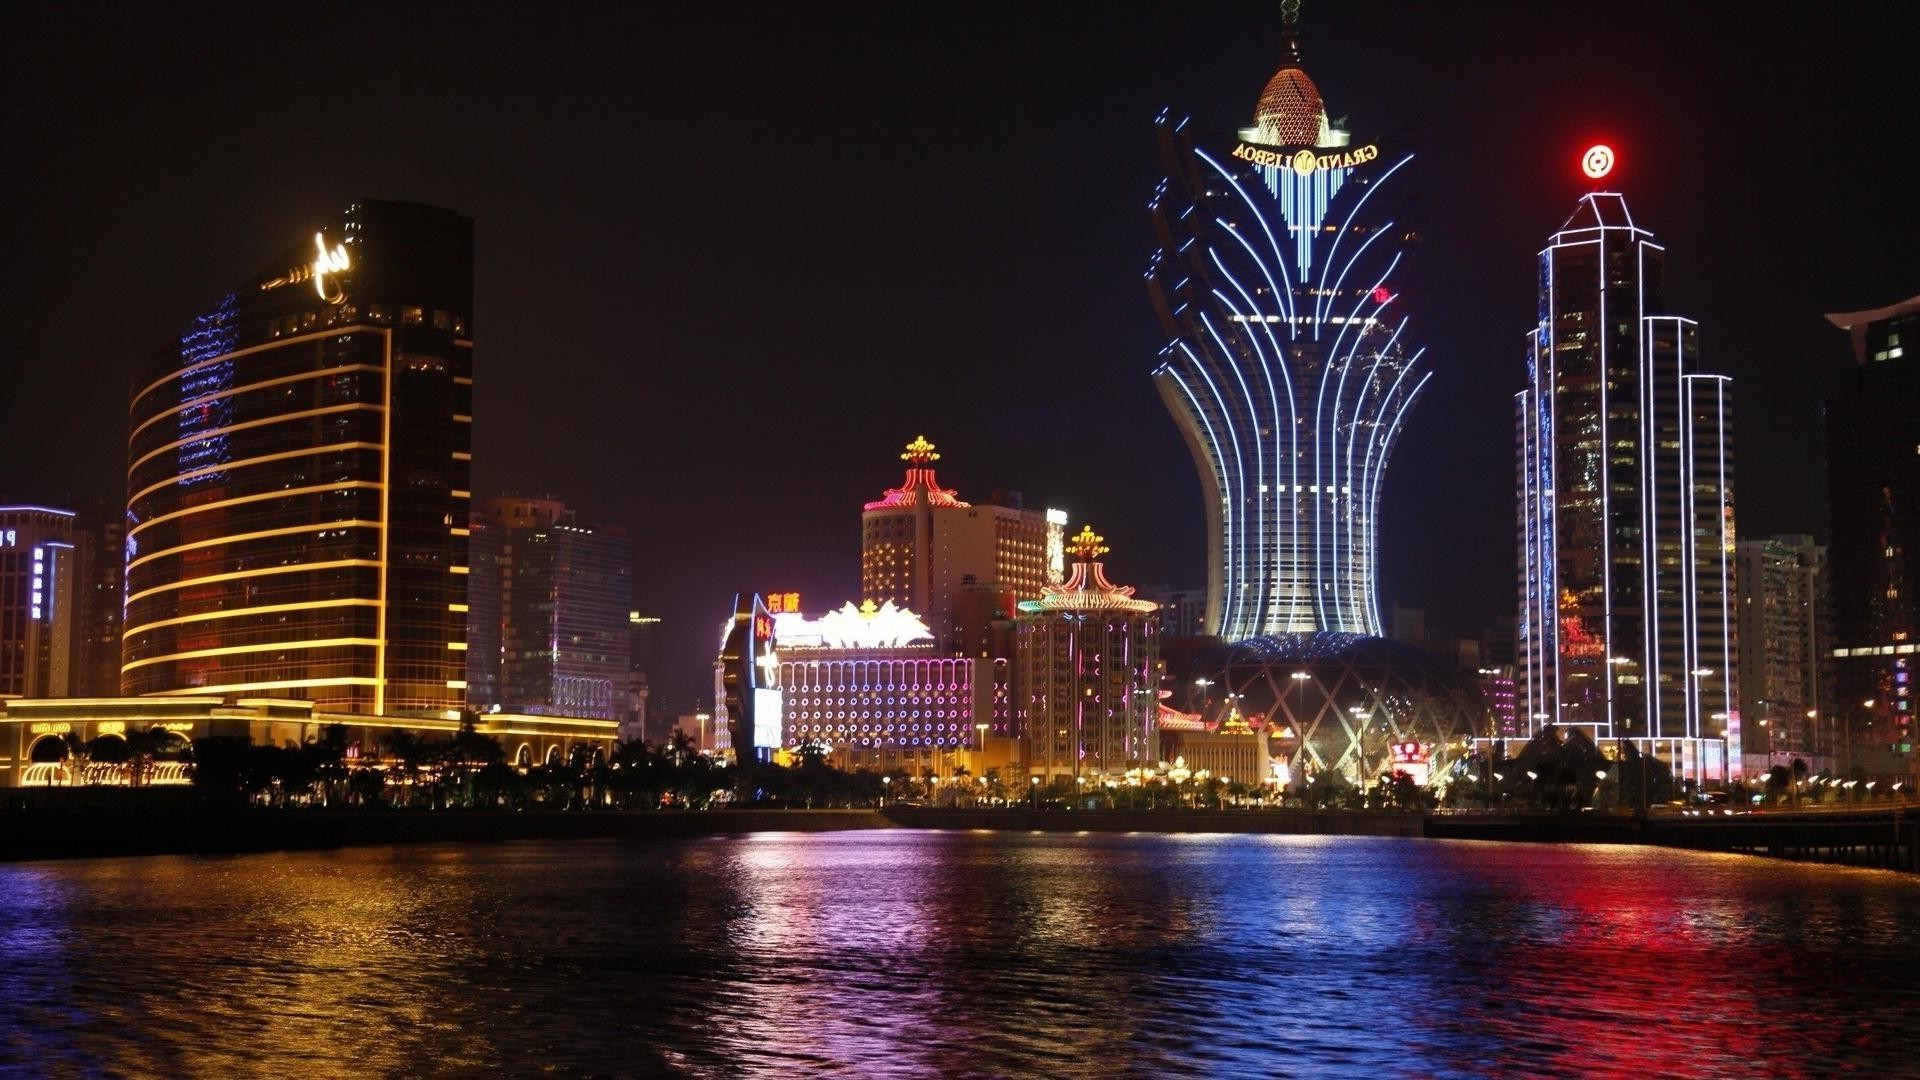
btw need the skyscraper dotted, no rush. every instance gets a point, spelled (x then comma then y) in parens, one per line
(1873, 513)
(564, 593)
(1781, 621)
(1288, 366)
(921, 546)
(1625, 503)
(297, 480)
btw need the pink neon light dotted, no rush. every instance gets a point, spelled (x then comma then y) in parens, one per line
(906, 494)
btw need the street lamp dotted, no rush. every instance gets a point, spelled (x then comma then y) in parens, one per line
(1036, 792)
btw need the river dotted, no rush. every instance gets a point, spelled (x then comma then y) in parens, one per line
(931, 954)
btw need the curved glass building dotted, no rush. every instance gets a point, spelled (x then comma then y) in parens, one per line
(1288, 366)
(297, 479)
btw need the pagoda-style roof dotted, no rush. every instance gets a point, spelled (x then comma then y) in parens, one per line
(920, 483)
(1087, 588)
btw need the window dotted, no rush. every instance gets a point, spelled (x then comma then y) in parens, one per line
(412, 316)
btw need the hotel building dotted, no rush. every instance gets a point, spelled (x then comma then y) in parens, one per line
(1625, 523)
(1288, 364)
(298, 477)
(1088, 670)
(921, 546)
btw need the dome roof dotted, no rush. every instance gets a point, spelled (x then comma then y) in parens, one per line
(1290, 112)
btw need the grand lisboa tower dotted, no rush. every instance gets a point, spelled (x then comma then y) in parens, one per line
(1289, 368)
(1288, 364)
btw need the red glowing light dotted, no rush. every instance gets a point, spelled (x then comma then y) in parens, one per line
(1597, 161)
(1381, 295)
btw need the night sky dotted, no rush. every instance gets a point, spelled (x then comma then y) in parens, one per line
(727, 268)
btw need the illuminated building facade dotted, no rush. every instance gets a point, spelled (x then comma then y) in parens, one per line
(1781, 622)
(1088, 670)
(871, 685)
(1873, 552)
(1288, 368)
(563, 594)
(298, 477)
(39, 616)
(1625, 523)
(921, 545)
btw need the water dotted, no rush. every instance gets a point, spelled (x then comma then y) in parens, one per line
(896, 953)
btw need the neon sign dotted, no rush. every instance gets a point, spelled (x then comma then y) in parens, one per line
(325, 261)
(1304, 161)
(1597, 161)
(328, 262)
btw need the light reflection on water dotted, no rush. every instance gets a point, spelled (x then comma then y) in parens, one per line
(896, 953)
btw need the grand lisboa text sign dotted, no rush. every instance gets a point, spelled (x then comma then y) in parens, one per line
(1304, 160)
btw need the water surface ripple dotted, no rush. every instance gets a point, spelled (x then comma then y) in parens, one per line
(917, 954)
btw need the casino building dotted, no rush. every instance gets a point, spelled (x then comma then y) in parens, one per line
(1288, 364)
(298, 477)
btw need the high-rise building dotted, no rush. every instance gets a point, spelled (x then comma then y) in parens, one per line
(1088, 668)
(640, 634)
(1873, 551)
(564, 593)
(39, 616)
(60, 594)
(100, 541)
(1625, 504)
(921, 546)
(1289, 366)
(486, 619)
(1780, 622)
(297, 480)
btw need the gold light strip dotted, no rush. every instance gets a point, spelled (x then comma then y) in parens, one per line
(304, 414)
(234, 650)
(264, 571)
(386, 518)
(283, 380)
(351, 523)
(261, 497)
(332, 331)
(245, 462)
(234, 613)
(345, 680)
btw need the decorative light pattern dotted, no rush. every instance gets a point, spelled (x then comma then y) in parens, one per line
(1288, 374)
(865, 627)
(1597, 161)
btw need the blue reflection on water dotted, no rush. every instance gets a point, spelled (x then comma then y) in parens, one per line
(913, 954)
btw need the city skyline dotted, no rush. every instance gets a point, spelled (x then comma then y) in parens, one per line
(586, 344)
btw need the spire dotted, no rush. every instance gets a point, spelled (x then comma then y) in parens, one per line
(1290, 33)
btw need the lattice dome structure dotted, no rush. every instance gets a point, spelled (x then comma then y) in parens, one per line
(1290, 112)
(1359, 696)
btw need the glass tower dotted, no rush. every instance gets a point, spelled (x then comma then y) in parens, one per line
(297, 479)
(1625, 526)
(1288, 366)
